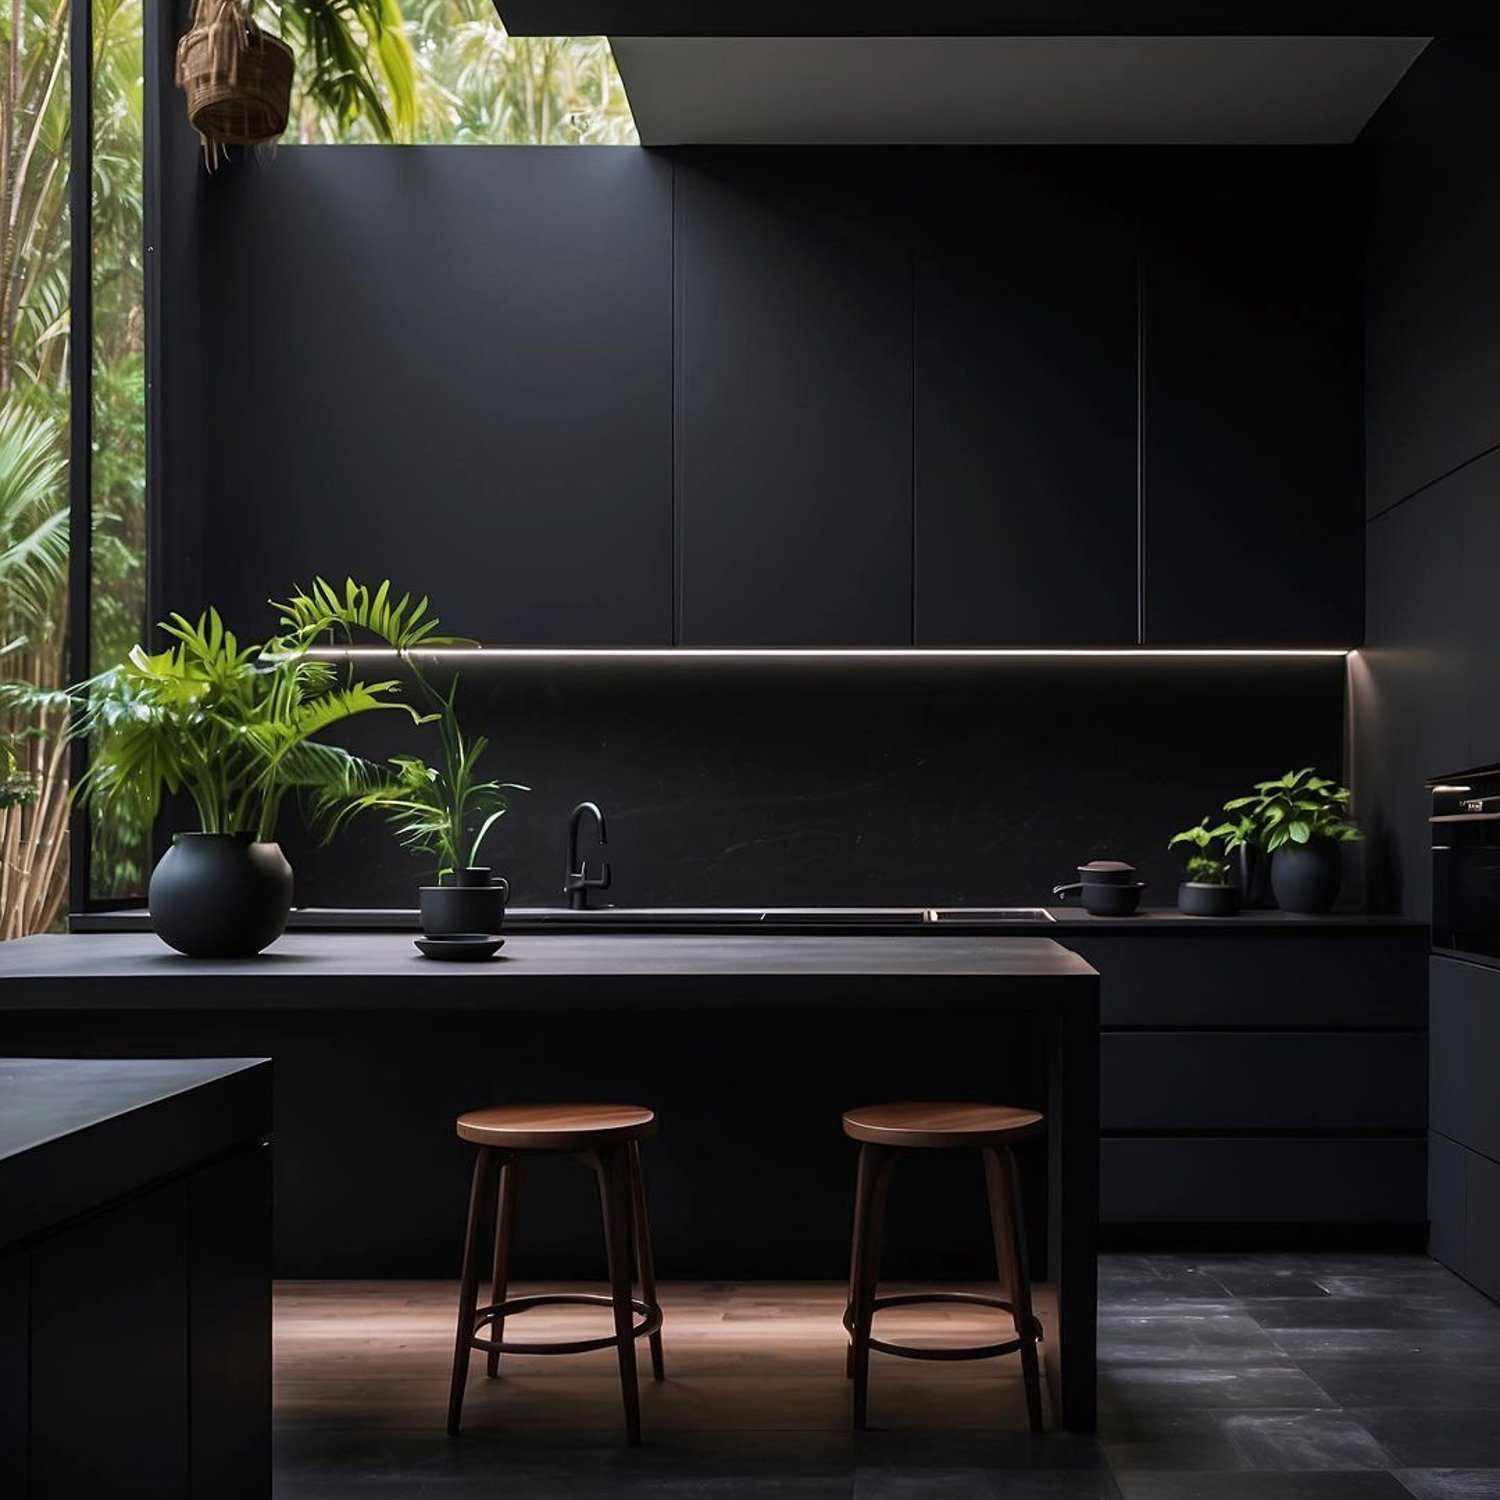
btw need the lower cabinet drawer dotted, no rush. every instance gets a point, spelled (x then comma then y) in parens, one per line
(1291, 1180)
(1313, 1081)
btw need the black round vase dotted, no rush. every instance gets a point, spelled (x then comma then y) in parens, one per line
(1252, 873)
(220, 895)
(1305, 878)
(472, 906)
(1197, 898)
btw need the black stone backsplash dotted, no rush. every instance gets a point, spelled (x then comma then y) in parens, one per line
(861, 781)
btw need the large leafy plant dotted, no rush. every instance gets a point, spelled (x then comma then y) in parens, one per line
(1209, 863)
(236, 727)
(1294, 809)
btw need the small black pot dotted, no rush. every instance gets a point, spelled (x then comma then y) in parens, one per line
(220, 895)
(1197, 898)
(1306, 877)
(1101, 899)
(474, 904)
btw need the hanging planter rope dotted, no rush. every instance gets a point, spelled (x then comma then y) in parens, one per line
(237, 78)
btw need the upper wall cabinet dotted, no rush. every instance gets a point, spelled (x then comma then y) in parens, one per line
(793, 471)
(1024, 462)
(452, 368)
(1250, 411)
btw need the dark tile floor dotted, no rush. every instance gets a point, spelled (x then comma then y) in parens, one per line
(1260, 1377)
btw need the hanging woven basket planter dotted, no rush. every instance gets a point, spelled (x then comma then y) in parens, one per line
(237, 78)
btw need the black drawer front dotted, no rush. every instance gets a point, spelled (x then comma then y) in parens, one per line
(1465, 1050)
(1222, 979)
(1292, 1180)
(1370, 1081)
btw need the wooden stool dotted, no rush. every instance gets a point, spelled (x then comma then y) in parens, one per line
(605, 1137)
(885, 1129)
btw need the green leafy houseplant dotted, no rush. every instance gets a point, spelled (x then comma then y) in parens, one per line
(233, 727)
(1209, 864)
(444, 812)
(1295, 809)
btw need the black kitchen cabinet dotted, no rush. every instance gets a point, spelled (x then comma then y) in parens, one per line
(1024, 396)
(793, 391)
(1251, 434)
(1464, 1194)
(110, 1296)
(484, 411)
(1260, 1079)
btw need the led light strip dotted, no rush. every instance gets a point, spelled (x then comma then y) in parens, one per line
(832, 653)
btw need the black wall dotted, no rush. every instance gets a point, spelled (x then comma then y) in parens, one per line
(1424, 688)
(882, 782)
(1425, 683)
(616, 397)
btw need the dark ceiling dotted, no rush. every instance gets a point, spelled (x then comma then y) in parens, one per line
(1000, 17)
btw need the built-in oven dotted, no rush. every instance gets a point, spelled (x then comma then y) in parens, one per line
(1466, 862)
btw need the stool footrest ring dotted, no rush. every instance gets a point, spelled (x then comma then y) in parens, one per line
(967, 1351)
(648, 1312)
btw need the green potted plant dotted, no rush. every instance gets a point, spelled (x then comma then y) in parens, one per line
(444, 812)
(1209, 890)
(1300, 820)
(232, 729)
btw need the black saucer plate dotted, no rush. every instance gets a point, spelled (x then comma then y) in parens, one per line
(464, 948)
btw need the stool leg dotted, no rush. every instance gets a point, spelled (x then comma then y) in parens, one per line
(468, 1293)
(505, 1230)
(874, 1173)
(644, 1259)
(614, 1196)
(1009, 1226)
(854, 1249)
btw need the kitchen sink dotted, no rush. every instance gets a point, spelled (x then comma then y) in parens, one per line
(780, 918)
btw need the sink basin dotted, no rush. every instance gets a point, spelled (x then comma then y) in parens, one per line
(773, 918)
(990, 914)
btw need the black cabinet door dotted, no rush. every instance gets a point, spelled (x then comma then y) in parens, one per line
(1024, 456)
(109, 1353)
(229, 1291)
(477, 398)
(15, 1375)
(793, 440)
(1251, 409)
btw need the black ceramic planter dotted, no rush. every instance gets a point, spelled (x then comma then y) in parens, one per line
(1305, 878)
(1197, 898)
(1252, 873)
(473, 904)
(220, 895)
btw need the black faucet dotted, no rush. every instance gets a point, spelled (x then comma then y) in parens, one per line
(577, 883)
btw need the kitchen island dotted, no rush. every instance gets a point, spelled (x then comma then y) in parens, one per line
(135, 1290)
(748, 1048)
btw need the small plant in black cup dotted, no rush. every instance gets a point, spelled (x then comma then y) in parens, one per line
(1209, 890)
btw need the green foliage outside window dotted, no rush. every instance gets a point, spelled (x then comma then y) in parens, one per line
(448, 74)
(368, 70)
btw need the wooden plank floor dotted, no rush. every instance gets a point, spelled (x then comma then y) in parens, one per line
(738, 1357)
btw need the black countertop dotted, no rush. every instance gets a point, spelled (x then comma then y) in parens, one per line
(1050, 921)
(378, 970)
(76, 1133)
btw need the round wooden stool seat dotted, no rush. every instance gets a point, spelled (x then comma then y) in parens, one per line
(556, 1127)
(940, 1126)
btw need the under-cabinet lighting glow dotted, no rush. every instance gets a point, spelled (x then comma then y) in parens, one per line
(833, 653)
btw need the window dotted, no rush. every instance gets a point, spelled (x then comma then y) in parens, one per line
(446, 73)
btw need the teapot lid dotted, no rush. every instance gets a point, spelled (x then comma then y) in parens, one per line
(1108, 867)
